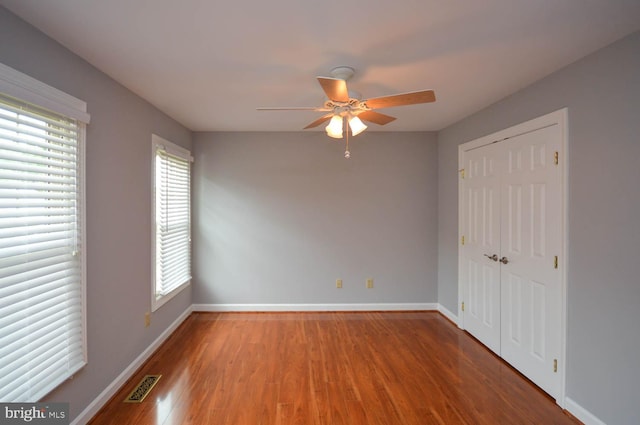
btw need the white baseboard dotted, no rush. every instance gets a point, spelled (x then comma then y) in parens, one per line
(448, 314)
(114, 386)
(317, 307)
(581, 413)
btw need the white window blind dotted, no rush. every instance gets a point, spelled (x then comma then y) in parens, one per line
(42, 331)
(172, 208)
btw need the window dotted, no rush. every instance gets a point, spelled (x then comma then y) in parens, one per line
(42, 243)
(171, 220)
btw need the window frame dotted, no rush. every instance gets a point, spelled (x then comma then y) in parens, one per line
(159, 143)
(30, 91)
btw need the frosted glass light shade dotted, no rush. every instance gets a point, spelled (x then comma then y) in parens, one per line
(334, 129)
(357, 126)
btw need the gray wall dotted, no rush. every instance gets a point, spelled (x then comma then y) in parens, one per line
(602, 93)
(278, 217)
(118, 206)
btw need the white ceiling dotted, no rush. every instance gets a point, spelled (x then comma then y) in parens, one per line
(209, 64)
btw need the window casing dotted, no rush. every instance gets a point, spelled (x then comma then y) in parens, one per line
(171, 220)
(42, 237)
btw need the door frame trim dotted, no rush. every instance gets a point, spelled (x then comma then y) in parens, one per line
(560, 118)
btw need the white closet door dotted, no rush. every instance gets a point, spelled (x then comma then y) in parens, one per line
(481, 269)
(530, 240)
(511, 207)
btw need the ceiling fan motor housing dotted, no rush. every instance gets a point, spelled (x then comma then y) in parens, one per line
(342, 72)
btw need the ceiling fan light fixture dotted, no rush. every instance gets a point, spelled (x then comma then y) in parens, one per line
(344, 104)
(334, 129)
(357, 126)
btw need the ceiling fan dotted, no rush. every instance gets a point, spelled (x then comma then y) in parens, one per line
(343, 105)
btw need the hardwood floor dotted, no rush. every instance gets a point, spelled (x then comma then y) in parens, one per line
(381, 368)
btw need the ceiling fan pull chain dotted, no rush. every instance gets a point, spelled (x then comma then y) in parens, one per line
(347, 154)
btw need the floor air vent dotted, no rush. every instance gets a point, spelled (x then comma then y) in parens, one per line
(143, 388)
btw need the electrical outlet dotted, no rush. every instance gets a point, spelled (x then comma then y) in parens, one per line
(338, 283)
(370, 283)
(147, 319)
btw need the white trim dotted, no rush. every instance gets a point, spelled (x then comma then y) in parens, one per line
(581, 413)
(23, 87)
(170, 147)
(543, 121)
(560, 118)
(448, 314)
(317, 307)
(92, 409)
(156, 302)
(563, 122)
(462, 286)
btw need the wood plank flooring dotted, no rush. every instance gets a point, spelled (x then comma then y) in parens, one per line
(382, 368)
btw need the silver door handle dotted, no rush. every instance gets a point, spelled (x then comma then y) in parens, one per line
(493, 257)
(504, 260)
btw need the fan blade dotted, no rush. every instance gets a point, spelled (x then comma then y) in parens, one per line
(319, 121)
(335, 89)
(375, 117)
(292, 108)
(411, 98)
